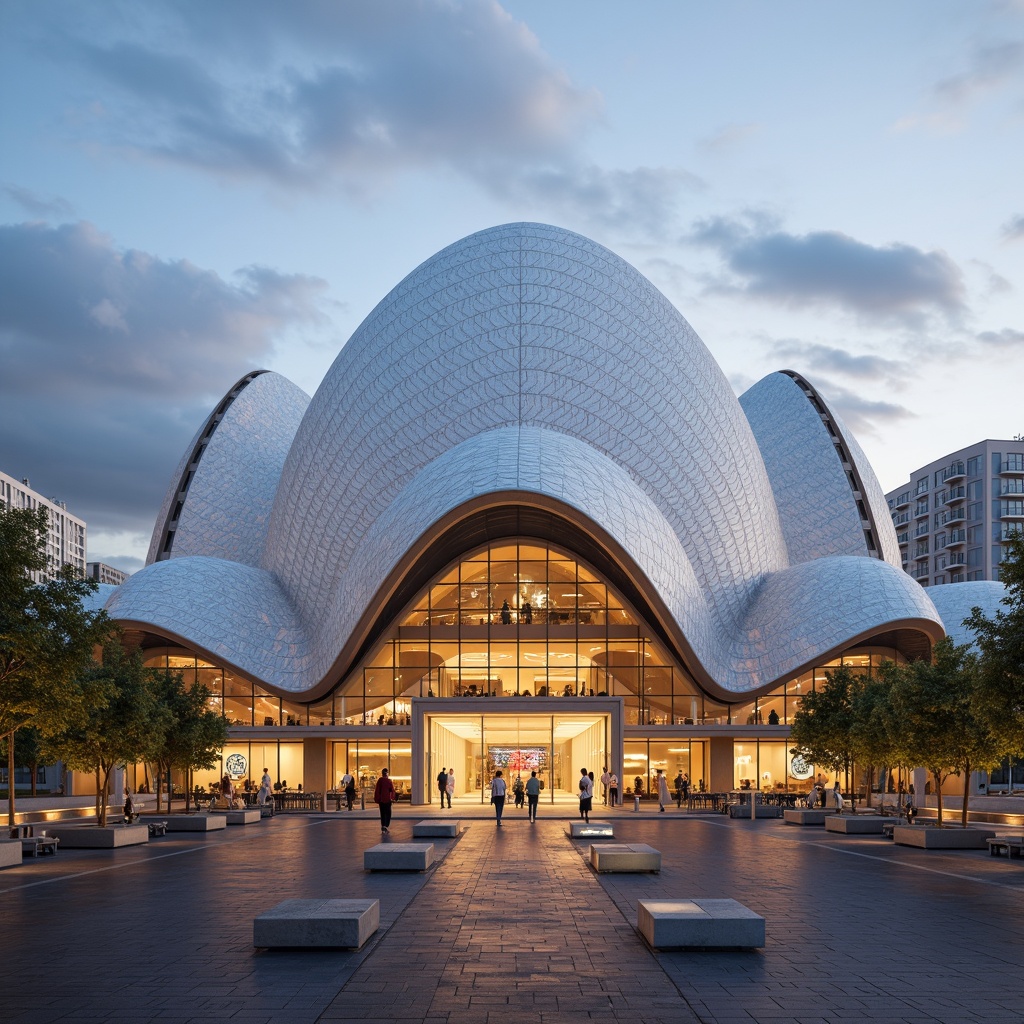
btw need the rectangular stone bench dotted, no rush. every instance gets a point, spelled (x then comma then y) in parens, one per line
(760, 811)
(591, 830)
(857, 824)
(804, 816)
(932, 838)
(699, 924)
(1011, 844)
(193, 822)
(316, 924)
(438, 829)
(90, 837)
(10, 853)
(242, 817)
(398, 857)
(625, 857)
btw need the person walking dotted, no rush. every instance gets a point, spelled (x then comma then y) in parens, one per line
(663, 794)
(605, 776)
(532, 795)
(498, 790)
(686, 786)
(266, 788)
(586, 794)
(518, 790)
(678, 783)
(384, 796)
(450, 788)
(442, 785)
(348, 787)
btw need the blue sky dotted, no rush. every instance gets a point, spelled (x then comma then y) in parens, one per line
(190, 190)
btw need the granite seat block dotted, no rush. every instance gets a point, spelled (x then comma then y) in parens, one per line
(932, 838)
(591, 830)
(10, 853)
(91, 837)
(700, 924)
(242, 817)
(760, 811)
(856, 824)
(399, 857)
(803, 816)
(317, 924)
(439, 829)
(192, 822)
(625, 857)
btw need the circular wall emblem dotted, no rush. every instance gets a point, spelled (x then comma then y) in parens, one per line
(799, 768)
(236, 764)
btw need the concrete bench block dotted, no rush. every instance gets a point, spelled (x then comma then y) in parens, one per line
(10, 853)
(760, 811)
(591, 830)
(932, 838)
(801, 816)
(438, 829)
(317, 924)
(699, 924)
(192, 822)
(399, 857)
(623, 857)
(242, 817)
(90, 837)
(856, 824)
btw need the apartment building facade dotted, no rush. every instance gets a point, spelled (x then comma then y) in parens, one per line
(65, 539)
(955, 516)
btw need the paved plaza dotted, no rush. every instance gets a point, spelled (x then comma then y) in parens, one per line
(512, 925)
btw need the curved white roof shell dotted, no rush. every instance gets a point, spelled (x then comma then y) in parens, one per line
(524, 364)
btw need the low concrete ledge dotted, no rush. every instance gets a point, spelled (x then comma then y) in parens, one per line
(932, 838)
(591, 830)
(760, 811)
(317, 924)
(856, 824)
(90, 837)
(802, 816)
(699, 924)
(398, 857)
(437, 829)
(10, 853)
(625, 857)
(242, 817)
(192, 822)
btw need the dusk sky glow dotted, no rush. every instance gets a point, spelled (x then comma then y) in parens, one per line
(191, 190)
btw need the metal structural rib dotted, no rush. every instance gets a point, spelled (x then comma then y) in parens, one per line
(525, 366)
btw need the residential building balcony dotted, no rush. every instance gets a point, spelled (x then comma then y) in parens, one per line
(954, 471)
(956, 538)
(954, 494)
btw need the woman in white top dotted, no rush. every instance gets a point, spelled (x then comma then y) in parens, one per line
(450, 787)
(663, 794)
(498, 790)
(586, 794)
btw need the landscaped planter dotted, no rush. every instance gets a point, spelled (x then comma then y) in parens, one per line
(933, 838)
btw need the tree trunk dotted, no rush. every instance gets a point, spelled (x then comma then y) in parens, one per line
(159, 787)
(33, 769)
(967, 797)
(188, 790)
(97, 793)
(870, 786)
(104, 796)
(10, 778)
(938, 795)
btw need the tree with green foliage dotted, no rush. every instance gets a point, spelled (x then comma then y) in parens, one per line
(823, 727)
(125, 721)
(47, 636)
(939, 718)
(194, 736)
(1000, 641)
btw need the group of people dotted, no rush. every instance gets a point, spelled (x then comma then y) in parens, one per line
(529, 790)
(446, 785)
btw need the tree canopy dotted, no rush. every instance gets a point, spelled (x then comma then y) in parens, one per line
(47, 635)
(1000, 640)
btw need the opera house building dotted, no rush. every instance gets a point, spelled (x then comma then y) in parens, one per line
(523, 523)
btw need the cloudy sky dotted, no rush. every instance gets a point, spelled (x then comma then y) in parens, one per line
(190, 190)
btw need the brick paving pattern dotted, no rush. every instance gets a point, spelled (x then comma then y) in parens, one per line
(513, 925)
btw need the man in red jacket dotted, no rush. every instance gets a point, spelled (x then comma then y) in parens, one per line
(384, 796)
